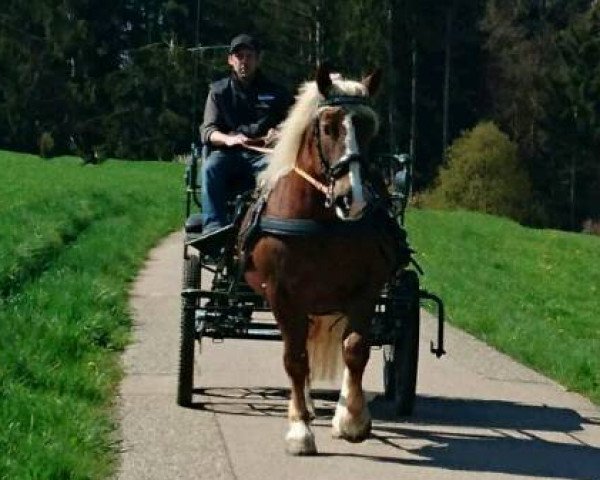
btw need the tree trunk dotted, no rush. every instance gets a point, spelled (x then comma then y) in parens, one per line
(448, 52)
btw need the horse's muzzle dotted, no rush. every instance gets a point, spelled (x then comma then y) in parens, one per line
(343, 203)
(350, 199)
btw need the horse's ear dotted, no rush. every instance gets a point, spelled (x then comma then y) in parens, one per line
(323, 79)
(372, 82)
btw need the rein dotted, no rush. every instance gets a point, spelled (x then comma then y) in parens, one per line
(314, 182)
(324, 189)
(259, 149)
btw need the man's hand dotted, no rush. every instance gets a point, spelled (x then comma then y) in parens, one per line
(235, 140)
(220, 139)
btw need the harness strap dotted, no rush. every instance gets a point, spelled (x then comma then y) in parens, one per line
(324, 161)
(303, 227)
(378, 223)
(313, 181)
(343, 100)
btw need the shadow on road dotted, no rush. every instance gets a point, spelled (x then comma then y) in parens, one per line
(263, 401)
(504, 437)
(491, 414)
(448, 433)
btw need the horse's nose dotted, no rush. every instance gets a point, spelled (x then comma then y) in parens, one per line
(357, 203)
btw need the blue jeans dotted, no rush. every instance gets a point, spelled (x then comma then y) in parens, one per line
(225, 174)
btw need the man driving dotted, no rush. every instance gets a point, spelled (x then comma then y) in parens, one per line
(241, 110)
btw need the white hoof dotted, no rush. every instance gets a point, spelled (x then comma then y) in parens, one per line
(300, 440)
(352, 429)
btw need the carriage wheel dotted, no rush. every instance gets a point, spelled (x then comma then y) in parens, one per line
(401, 358)
(185, 385)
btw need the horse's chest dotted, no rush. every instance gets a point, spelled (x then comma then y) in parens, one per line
(320, 272)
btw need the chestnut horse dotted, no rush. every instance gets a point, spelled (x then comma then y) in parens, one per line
(323, 251)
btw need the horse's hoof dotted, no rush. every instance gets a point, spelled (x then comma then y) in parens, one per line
(300, 440)
(299, 447)
(356, 437)
(351, 432)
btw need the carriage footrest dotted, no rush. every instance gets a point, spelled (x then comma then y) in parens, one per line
(250, 334)
(252, 331)
(210, 242)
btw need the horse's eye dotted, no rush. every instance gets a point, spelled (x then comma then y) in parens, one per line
(327, 129)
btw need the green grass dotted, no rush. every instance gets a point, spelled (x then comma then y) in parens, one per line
(71, 240)
(533, 294)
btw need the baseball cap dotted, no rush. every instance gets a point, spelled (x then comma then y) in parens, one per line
(243, 40)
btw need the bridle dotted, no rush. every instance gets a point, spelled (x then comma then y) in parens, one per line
(331, 172)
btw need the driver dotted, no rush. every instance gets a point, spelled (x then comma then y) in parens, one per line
(242, 109)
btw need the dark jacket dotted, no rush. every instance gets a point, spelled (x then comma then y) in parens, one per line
(231, 108)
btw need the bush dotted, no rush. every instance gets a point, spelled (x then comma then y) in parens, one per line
(483, 174)
(46, 144)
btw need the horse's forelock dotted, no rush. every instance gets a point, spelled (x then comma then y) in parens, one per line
(349, 87)
(301, 115)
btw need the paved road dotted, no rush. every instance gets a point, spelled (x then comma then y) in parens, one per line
(478, 416)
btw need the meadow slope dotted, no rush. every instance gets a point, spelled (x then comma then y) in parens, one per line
(72, 239)
(533, 294)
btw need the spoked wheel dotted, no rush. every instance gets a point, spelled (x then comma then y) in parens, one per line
(402, 356)
(191, 279)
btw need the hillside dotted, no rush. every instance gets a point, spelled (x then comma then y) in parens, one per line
(533, 294)
(71, 239)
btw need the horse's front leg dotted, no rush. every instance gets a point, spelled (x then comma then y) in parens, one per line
(310, 404)
(299, 439)
(352, 420)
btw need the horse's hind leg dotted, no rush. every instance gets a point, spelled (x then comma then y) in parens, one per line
(352, 420)
(299, 439)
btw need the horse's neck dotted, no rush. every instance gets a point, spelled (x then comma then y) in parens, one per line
(294, 197)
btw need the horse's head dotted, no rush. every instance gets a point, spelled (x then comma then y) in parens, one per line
(325, 140)
(343, 128)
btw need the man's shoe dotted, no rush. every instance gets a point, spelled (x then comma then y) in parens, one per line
(193, 224)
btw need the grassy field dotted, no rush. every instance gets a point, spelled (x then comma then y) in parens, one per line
(73, 237)
(71, 240)
(533, 294)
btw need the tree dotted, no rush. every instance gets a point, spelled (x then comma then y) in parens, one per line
(534, 74)
(570, 170)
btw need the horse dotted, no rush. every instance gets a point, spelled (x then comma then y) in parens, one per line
(325, 247)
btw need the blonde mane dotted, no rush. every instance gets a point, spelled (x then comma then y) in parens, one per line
(302, 114)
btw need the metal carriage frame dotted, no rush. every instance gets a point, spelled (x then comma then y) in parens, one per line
(225, 310)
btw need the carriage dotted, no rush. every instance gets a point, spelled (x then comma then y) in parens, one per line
(218, 304)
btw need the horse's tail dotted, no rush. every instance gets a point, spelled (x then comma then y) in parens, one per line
(324, 346)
